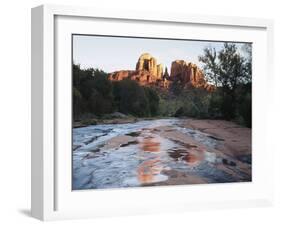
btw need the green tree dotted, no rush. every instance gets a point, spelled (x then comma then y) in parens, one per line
(209, 59)
(92, 92)
(77, 103)
(228, 69)
(153, 100)
(130, 98)
(166, 74)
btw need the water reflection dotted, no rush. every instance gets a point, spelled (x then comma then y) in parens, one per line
(189, 156)
(156, 156)
(192, 159)
(150, 144)
(149, 171)
(143, 159)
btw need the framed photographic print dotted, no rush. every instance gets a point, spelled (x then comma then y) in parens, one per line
(134, 112)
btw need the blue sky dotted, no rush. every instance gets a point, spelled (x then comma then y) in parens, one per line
(119, 53)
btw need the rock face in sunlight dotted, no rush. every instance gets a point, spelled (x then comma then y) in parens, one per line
(149, 72)
(149, 63)
(143, 77)
(189, 74)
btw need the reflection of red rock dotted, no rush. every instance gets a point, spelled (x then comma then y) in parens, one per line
(150, 168)
(191, 158)
(150, 144)
(194, 158)
(147, 171)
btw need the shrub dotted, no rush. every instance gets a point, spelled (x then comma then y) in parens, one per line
(245, 110)
(130, 98)
(153, 100)
(77, 103)
(215, 105)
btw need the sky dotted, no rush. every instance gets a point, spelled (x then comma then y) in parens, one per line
(120, 53)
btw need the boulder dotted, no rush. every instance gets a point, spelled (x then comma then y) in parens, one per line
(118, 115)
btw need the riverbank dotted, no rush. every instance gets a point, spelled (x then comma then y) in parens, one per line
(106, 121)
(236, 140)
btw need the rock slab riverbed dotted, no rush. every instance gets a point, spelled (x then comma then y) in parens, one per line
(160, 152)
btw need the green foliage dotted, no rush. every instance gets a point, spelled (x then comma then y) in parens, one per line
(95, 94)
(210, 65)
(101, 83)
(228, 107)
(131, 98)
(77, 103)
(244, 103)
(215, 110)
(177, 87)
(166, 74)
(245, 110)
(153, 100)
(228, 70)
(99, 104)
(195, 103)
(92, 92)
(169, 106)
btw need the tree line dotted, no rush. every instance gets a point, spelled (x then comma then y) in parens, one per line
(227, 69)
(231, 73)
(94, 93)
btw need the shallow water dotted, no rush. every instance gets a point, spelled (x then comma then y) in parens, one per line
(142, 161)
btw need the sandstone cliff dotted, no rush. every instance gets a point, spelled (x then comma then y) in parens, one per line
(143, 77)
(189, 74)
(148, 72)
(149, 63)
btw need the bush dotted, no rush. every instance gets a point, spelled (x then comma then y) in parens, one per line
(153, 100)
(92, 92)
(195, 103)
(169, 106)
(245, 110)
(228, 107)
(130, 98)
(215, 105)
(77, 103)
(98, 104)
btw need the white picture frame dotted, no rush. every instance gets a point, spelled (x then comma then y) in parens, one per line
(52, 198)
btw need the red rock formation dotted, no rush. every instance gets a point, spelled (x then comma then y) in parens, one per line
(149, 63)
(143, 77)
(149, 72)
(120, 75)
(189, 74)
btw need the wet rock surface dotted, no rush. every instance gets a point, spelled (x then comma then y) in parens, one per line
(150, 153)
